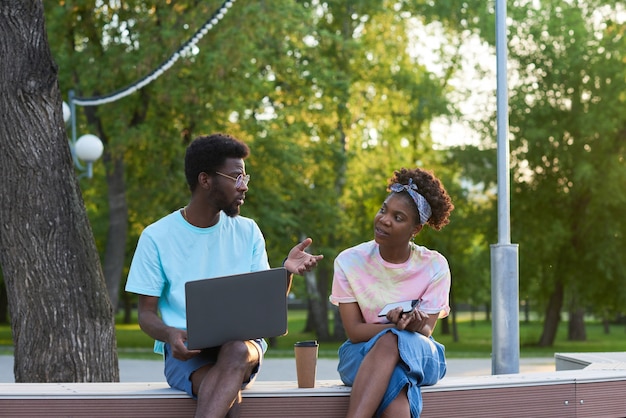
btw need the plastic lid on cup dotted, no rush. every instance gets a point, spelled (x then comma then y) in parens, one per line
(307, 343)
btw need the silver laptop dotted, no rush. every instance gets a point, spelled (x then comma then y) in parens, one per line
(237, 307)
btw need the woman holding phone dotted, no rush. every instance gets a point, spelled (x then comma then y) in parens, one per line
(387, 358)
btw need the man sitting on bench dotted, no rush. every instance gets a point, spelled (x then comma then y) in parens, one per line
(204, 239)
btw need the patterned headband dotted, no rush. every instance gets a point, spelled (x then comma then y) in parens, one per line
(423, 208)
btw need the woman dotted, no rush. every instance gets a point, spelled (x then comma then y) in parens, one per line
(386, 359)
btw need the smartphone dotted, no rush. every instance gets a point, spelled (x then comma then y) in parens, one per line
(407, 306)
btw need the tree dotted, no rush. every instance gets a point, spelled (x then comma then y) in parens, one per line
(567, 128)
(61, 317)
(294, 86)
(127, 40)
(568, 120)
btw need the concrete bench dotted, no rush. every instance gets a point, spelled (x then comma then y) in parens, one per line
(601, 360)
(574, 393)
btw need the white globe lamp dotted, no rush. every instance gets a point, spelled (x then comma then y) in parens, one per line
(88, 148)
(67, 113)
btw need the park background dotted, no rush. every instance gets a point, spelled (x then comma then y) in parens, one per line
(332, 96)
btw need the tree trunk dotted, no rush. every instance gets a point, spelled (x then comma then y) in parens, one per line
(455, 327)
(444, 325)
(61, 317)
(317, 307)
(128, 308)
(115, 252)
(526, 311)
(453, 311)
(339, 331)
(4, 304)
(553, 316)
(576, 326)
(115, 249)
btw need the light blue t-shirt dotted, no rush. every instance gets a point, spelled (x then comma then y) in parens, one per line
(171, 252)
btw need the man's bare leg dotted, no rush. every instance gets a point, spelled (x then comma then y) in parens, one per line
(218, 386)
(235, 409)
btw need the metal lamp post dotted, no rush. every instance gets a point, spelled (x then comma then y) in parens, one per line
(504, 254)
(88, 147)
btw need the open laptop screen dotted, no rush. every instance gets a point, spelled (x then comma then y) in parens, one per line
(237, 307)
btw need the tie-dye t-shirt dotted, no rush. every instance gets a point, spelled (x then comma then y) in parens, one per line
(362, 276)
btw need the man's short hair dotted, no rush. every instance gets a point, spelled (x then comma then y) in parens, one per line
(208, 153)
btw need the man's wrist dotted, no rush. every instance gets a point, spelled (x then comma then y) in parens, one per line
(284, 262)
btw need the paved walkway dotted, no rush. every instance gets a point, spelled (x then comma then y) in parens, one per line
(285, 369)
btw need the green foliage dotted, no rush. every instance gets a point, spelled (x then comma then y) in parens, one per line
(331, 99)
(567, 122)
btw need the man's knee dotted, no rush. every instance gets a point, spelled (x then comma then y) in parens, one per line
(238, 354)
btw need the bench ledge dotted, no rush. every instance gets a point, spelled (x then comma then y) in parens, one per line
(323, 388)
(527, 379)
(157, 390)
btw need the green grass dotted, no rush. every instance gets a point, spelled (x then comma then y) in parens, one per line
(474, 340)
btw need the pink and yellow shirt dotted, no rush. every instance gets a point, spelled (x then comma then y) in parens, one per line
(362, 276)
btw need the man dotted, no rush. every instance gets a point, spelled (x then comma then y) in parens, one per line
(204, 239)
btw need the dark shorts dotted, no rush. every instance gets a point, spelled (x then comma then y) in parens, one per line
(178, 372)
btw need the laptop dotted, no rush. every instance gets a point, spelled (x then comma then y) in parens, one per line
(236, 307)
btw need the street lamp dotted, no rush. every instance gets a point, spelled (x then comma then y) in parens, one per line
(88, 147)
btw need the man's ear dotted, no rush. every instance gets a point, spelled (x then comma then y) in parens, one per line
(205, 180)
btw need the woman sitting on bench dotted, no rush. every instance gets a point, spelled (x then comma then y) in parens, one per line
(387, 358)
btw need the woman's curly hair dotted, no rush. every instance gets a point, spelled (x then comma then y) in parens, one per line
(433, 191)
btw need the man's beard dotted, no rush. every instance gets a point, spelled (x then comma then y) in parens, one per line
(231, 211)
(229, 207)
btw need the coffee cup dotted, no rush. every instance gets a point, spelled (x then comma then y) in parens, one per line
(306, 362)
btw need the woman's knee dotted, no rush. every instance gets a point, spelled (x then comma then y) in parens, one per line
(385, 349)
(387, 342)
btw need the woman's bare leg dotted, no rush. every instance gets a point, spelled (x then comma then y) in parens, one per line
(373, 376)
(399, 407)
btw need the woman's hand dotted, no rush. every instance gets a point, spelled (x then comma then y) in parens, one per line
(416, 321)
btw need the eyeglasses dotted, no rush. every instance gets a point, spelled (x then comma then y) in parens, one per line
(241, 180)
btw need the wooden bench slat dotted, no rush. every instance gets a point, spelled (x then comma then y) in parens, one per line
(553, 394)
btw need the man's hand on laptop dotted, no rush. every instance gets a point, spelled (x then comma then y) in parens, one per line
(298, 261)
(176, 339)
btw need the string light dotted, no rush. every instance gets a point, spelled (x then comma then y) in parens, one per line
(166, 65)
